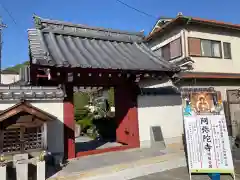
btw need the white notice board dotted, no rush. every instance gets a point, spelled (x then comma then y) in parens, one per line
(208, 145)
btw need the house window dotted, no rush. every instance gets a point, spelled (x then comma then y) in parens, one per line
(227, 50)
(204, 48)
(171, 50)
(166, 52)
(175, 49)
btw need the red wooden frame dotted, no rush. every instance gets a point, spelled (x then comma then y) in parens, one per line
(126, 90)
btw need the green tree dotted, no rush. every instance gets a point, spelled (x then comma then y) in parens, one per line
(16, 68)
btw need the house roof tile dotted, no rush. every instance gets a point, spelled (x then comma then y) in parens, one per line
(184, 20)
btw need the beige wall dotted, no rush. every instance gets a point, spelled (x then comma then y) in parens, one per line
(205, 64)
(55, 134)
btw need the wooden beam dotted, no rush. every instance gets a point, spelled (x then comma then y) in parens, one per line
(10, 113)
(90, 77)
(24, 107)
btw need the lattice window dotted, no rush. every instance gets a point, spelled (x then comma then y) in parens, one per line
(22, 140)
(33, 137)
(11, 139)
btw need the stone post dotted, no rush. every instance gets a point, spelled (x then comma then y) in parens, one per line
(20, 161)
(3, 172)
(22, 170)
(41, 170)
(19, 157)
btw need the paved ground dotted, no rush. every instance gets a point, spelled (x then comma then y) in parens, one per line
(84, 143)
(179, 174)
(182, 172)
(108, 159)
(150, 164)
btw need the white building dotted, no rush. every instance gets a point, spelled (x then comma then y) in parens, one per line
(9, 77)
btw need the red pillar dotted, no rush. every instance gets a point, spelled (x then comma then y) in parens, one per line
(69, 124)
(126, 115)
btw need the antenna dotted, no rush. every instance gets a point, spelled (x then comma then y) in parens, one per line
(1, 43)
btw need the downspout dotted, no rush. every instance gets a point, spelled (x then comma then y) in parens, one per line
(184, 44)
(184, 35)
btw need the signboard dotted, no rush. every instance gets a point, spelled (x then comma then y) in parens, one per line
(207, 140)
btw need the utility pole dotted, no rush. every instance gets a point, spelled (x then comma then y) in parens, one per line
(1, 43)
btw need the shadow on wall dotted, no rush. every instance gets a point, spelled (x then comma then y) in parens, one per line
(58, 160)
(55, 129)
(169, 97)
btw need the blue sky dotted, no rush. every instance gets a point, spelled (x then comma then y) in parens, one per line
(103, 13)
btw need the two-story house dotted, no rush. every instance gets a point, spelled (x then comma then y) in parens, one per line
(208, 53)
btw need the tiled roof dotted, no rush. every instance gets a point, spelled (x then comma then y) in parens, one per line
(55, 43)
(183, 20)
(15, 92)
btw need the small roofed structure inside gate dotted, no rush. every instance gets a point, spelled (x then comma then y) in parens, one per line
(28, 122)
(71, 55)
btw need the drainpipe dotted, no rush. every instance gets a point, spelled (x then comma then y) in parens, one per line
(184, 43)
(184, 35)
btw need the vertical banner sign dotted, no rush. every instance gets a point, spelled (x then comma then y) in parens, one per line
(207, 140)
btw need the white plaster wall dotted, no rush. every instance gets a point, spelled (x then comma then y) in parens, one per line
(159, 110)
(164, 111)
(55, 136)
(218, 65)
(9, 78)
(55, 129)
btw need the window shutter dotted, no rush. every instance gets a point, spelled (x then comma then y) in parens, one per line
(175, 48)
(166, 52)
(194, 46)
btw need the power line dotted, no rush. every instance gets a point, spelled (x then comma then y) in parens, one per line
(138, 10)
(1, 27)
(9, 13)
